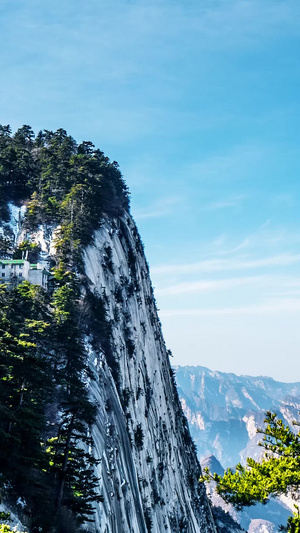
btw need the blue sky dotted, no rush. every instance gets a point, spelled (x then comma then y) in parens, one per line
(199, 103)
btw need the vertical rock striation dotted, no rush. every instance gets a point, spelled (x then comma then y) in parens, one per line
(148, 470)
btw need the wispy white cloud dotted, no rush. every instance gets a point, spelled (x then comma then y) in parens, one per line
(224, 264)
(259, 241)
(201, 286)
(292, 293)
(158, 209)
(229, 251)
(283, 200)
(278, 237)
(254, 20)
(275, 306)
(234, 201)
(236, 164)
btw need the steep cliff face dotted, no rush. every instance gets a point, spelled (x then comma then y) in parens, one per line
(148, 471)
(86, 363)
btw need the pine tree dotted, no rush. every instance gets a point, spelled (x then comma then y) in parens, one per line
(25, 385)
(278, 472)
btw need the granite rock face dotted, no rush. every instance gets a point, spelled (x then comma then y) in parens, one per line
(149, 470)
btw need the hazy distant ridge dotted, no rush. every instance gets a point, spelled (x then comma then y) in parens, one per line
(224, 410)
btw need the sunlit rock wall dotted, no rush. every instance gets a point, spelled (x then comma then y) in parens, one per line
(148, 471)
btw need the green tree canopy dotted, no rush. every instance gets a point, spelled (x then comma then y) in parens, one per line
(46, 453)
(277, 473)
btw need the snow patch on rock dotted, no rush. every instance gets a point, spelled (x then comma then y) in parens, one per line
(250, 425)
(17, 214)
(247, 395)
(14, 522)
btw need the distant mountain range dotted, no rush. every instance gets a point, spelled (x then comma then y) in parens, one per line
(224, 412)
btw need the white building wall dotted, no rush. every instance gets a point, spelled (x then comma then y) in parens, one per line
(36, 277)
(18, 272)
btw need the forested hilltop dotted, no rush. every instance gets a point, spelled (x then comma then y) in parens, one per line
(43, 368)
(61, 181)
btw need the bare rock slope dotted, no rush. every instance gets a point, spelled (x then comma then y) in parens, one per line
(149, 471)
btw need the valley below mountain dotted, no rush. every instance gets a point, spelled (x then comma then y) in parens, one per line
(224, 412)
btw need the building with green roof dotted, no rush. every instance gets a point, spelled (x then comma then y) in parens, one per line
(17, 270)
